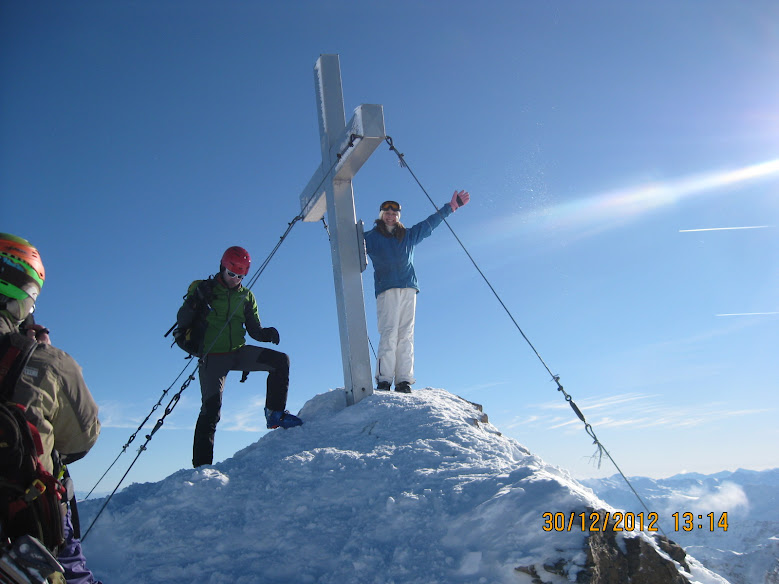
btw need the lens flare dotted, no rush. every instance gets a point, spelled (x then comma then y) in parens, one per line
(598, 212)
(624, 204)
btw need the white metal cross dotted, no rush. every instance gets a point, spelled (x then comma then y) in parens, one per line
(345, 148)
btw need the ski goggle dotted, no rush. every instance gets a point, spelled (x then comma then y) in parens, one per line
(390, 206)
(233, 274)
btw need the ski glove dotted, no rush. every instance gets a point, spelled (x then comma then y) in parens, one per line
(270, 335)
(459, 199)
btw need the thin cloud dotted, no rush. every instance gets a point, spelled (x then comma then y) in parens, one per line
(591, 214)
(248, 418)
(596, 403)
(748, 314)
(620, 411)
(122, 415)
(723, 228)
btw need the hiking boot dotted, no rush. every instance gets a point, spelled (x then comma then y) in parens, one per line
(403, 387)
(278, 419)
(383, 386)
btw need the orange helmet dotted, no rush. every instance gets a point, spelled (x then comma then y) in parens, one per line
(21, 268)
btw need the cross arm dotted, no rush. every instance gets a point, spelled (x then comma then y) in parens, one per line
(367, 123)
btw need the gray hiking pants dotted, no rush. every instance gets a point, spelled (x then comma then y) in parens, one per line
(213, 373)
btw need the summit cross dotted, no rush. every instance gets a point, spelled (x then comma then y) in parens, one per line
(345, 148)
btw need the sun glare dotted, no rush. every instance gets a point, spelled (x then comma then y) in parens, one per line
(600, 211)
(626, 203)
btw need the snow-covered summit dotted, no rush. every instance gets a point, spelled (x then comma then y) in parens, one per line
(416, 488)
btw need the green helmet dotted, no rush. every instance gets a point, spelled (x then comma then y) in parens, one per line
(21, 275)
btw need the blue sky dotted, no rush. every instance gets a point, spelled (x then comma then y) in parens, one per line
(606, 146)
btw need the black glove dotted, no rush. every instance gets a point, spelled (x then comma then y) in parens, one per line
(270, 335)
(201, 293)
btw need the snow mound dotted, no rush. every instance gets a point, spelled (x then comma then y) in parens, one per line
(411, 488)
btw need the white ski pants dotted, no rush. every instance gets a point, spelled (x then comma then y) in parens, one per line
(395, 313)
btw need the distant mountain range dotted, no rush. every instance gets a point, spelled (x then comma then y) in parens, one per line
(747, 553)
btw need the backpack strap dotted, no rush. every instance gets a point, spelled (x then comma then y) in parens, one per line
(205, 290)
(15, 351)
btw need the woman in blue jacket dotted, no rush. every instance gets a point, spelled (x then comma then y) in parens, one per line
(391, 249)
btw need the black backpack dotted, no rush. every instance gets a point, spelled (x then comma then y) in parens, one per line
(30, 497)
(192, 337)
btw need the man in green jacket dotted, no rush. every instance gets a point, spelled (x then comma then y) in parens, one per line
(232, 312)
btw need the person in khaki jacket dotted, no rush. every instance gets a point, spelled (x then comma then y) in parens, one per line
(51, 387)
(60, 405)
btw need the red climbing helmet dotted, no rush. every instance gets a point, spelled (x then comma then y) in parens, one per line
(237, 260)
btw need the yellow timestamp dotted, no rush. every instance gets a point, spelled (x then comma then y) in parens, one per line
(690, 521)
(594, 521)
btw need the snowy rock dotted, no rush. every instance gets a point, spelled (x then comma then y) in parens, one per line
(641, 562)
(745, 553)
